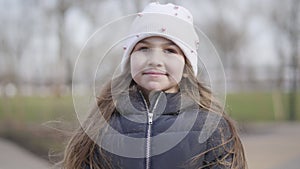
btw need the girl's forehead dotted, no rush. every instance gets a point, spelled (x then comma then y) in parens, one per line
(157, 40)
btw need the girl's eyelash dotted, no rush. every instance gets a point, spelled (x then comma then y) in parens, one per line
(171, 50)
(142, 48)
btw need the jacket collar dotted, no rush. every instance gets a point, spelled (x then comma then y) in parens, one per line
(159, 102)
(133, 103)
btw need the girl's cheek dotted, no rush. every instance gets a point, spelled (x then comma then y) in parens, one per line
(137, 63)
(138, 57)
(175, 69)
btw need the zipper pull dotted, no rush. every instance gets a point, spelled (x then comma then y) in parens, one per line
(150, 118)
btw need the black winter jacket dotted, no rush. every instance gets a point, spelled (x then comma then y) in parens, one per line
(168, 129)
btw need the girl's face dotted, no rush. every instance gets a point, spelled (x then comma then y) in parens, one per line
(157, 65)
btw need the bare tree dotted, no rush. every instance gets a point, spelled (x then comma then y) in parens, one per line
(293, 32)
(15, 37)
(285, 18)
(63, 6)
(229, 40)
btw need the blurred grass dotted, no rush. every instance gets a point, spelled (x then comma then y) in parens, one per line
(36, 109)
(22, 118)
(261, 106)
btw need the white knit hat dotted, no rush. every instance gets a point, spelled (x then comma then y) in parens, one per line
(165, 20)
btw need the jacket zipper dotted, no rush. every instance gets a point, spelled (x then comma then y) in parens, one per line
(149, 129)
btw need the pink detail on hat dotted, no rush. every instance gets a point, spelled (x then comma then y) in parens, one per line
(197, 43)
(163, 29)
(140, 14)
(176, 7)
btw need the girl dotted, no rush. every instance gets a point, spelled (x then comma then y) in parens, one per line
(156, 114)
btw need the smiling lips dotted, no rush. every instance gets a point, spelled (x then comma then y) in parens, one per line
(154, 73)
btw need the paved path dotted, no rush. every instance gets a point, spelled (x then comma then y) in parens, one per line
(267, 146)
(273, 146)
(15, 157)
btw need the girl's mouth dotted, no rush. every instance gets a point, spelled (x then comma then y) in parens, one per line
(155, 73)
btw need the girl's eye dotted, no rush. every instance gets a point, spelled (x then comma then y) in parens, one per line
(143, 49)
(171, 50)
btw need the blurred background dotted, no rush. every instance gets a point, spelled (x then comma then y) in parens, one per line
(258, 42)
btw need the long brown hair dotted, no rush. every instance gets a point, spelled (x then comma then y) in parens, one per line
(81, 149)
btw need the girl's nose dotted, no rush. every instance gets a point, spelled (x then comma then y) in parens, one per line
(155, 57)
